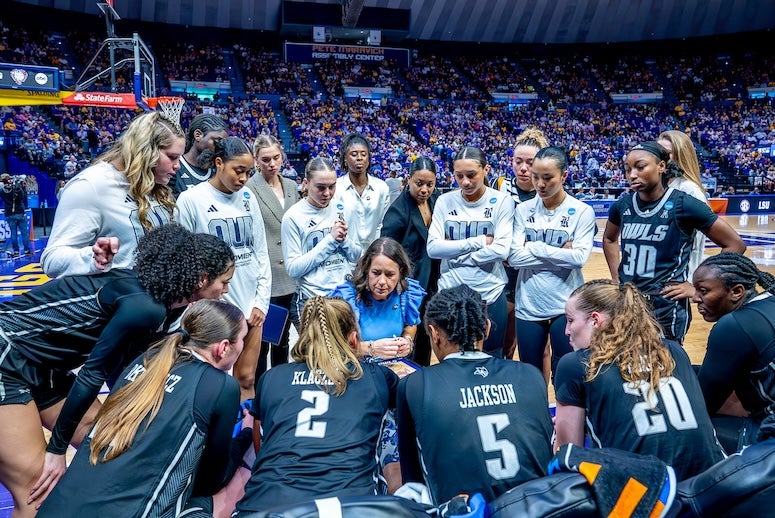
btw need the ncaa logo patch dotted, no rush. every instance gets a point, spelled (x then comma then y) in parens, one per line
(340, 206)
(669, 205)
(571, 211)
(493, 200)
(745, 206)
(481, 371)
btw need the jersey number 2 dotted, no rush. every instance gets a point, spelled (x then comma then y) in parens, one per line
(305, 426)
(677, 407)
(507, 465)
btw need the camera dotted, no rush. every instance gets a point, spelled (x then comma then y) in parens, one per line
(13, 182)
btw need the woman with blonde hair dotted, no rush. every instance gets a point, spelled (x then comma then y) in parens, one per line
(163, 436)
(682, 152)
(275, 195)
(320, 415)
(105, 209)
(634, 389)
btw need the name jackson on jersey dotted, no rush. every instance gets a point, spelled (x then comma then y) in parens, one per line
(487, 395)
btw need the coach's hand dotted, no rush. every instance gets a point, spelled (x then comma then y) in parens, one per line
(104, 250)
(54, 467)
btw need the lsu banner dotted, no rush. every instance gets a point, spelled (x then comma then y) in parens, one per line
(310, 52)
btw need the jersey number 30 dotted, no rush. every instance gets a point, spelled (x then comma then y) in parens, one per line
(507, 465)
(305, 426)
(641, 261)
(677, 407)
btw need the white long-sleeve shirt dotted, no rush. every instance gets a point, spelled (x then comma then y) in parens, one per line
(363, 212)
(548, 273)
(458, 236)
(312, 256)
(235, 219)
(95, 203)
(698, 245)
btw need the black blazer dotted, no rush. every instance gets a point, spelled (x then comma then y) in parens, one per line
(403, 222)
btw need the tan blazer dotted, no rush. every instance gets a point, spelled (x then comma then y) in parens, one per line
(273, 212)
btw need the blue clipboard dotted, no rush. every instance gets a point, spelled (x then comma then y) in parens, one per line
(276, 318)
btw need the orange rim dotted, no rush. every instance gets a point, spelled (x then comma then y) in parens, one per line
(154, 101)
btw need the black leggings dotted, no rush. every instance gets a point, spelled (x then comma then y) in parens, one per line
(497, 313)
(532, 336)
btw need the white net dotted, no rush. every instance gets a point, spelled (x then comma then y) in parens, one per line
(171, 107)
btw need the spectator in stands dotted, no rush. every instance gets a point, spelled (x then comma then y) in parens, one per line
(395, 184)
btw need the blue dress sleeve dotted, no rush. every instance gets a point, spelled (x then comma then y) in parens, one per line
(411, 299)
(346, 291)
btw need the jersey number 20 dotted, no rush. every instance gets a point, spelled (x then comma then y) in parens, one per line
(507, 465)
(676, 402)
(305, 426)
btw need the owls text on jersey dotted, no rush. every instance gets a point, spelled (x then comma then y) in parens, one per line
(655, 247)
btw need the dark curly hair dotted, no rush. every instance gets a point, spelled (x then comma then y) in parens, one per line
(215, 255)
(169, 262)
(461, 313)
(391, 249)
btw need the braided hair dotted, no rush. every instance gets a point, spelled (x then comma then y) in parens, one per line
(733, 268)
(461, 313)
(323, 345)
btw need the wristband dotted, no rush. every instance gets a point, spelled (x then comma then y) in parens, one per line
(411, 342)
(371, 348)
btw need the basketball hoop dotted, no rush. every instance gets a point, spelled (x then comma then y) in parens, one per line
(171, 107)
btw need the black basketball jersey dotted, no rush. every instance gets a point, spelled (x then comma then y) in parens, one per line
(656, 238)
(671, 424)
(315, 444)
(741, 358)
(156, 475)
(477, 424)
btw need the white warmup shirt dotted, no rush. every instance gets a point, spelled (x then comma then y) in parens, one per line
(96, 203)
(548, 273)
(458, 236)
(235, 219)
(312, 256)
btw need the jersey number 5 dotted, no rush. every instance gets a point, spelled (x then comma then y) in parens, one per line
(305, 426)
(676, 402)
(507, 465)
